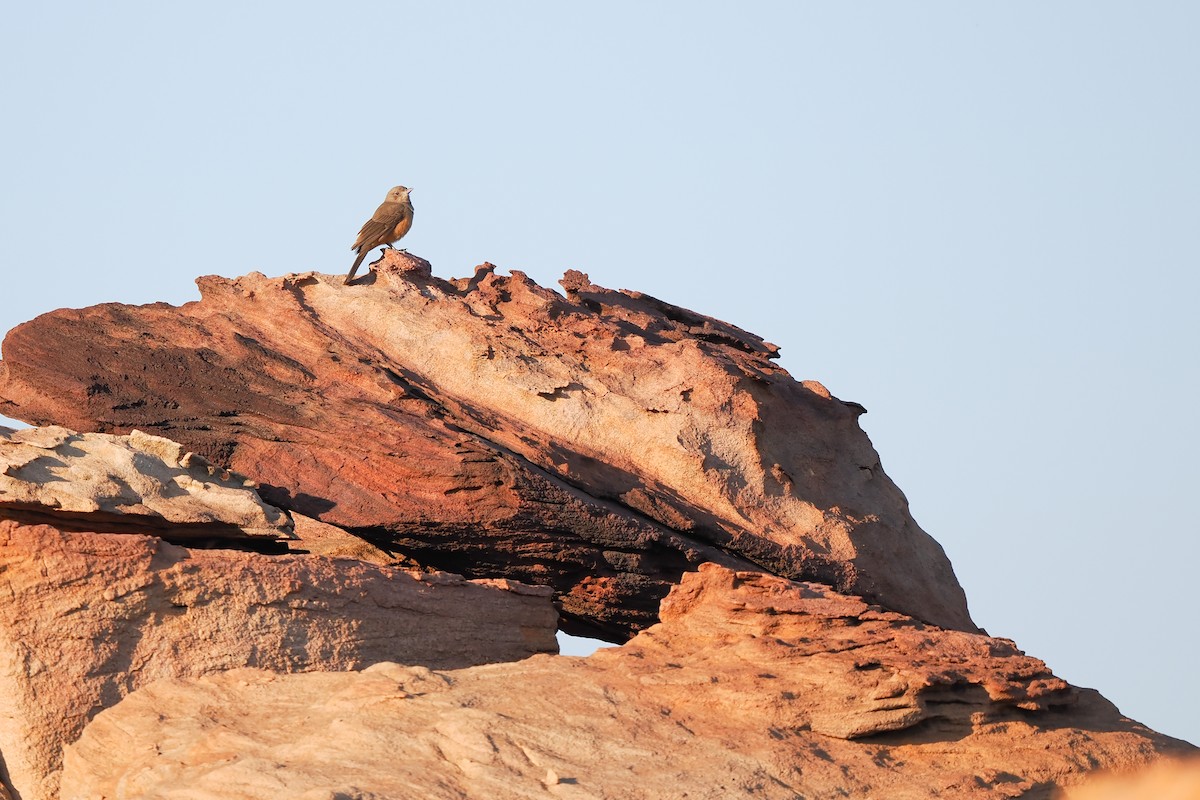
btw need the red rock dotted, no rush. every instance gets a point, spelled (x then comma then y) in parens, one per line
(602, 443)
(751, 686)
(87, 618)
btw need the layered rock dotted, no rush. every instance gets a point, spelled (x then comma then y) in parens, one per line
(602, 443)
(87, 617)
(750, 686)
(129, 483)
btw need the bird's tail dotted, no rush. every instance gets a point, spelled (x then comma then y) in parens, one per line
(361, 255)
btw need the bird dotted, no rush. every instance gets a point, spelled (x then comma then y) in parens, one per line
(388, 224)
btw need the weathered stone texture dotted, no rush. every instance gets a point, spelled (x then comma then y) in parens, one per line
(752, 686)
(137, 482)
(86, 618)
(601, 442)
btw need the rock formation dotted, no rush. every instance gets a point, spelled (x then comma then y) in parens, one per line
(284, 631)
(601, 443)
(751, 686)
(130, 482)
(88, 617)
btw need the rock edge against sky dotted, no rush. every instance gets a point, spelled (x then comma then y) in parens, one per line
(250, 600)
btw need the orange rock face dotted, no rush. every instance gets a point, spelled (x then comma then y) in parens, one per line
(87, 618)
(751, 686)
(601, 442)
(814, 643)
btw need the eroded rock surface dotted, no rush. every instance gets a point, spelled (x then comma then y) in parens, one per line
(602, 443)
(86, 618)
(751, 686)
(137, 482)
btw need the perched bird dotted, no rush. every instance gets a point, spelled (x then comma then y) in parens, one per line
(388, 224)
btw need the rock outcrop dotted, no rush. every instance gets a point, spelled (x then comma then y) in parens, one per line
(751, 686)
(128, 483)
(87, 617)
(602, 443)
(284, 631)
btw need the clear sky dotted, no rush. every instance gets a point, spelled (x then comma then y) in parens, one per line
(981, 221)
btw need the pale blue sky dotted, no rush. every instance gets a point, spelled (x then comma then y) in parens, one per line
(979, 221)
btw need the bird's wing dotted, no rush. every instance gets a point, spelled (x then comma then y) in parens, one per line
(380, 226)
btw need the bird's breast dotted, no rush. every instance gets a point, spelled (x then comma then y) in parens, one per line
(403, 225)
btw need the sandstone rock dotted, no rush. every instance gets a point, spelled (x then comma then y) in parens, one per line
(86, 618)
(751, 686)
(602, 443)
(131, 483)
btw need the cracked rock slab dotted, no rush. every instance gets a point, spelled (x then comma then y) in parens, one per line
(134, 482)
(751, 686)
